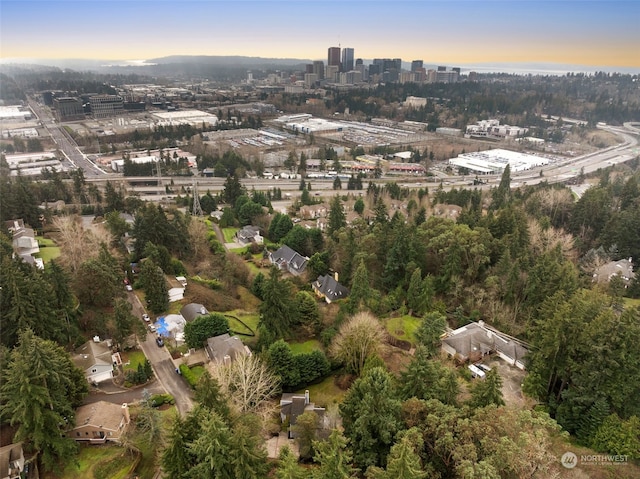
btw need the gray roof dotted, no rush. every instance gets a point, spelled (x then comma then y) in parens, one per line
(285, 256)
(475, 338)
(329, 287)
(192, 310)
(248, 233)
(92, 354)
(623, 267)
(225, 348)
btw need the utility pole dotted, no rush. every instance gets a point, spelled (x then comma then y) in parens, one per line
(197, 209)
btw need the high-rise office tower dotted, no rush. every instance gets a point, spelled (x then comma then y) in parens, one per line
(347, 59)
(334, 57)
(415, 65)
(318, 69)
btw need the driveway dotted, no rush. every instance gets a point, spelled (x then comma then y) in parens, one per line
(162, 364)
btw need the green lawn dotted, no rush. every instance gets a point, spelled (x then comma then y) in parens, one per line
(250, 319)
(228, 234)
(403, 327)
(48, 249)
(631, 302)
(197, 371)
(96, 461)
(306, 347)
(134, 358)
(325, 393)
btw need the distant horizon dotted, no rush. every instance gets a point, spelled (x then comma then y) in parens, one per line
(523, 68)
(594, 33)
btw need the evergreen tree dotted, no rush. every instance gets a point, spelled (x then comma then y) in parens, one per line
(123, 320)
(360, 288)
(288, 467)
(281, 361)
(155, 287)
(334, 458)
(276, 309)
(488, 391)
(502, 194)
(42, 387)
(209, 395)
(337, 218)
(233, 189)
(358, 206)
(429, 332)
(371, 417)
(404, 459)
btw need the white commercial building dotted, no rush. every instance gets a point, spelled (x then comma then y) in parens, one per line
(494, 161)
(185, 117)
(118, 165)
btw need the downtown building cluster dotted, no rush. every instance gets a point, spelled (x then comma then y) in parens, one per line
(343, 68)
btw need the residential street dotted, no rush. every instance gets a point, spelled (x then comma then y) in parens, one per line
(163, 366)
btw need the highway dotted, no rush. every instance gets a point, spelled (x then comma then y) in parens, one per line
(73, 157)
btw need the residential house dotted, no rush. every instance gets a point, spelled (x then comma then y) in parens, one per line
(447, 211)
(100, 422)
(24, 241)
(329, 288)
(623, 268)
(11, 461)
(308, 212)
(293, 405)
(192, 310)
(224, 349)
(476, 340)
(249, 234)
(96, 360)
(216, 215)
(287, 259)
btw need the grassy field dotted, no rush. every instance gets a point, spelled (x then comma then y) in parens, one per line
(134, 358)
(228, 234)
(325, 393)
(48, 249)
(631, 302)
(96, 461)
(306, 347)
(403, 327)
(198, 371)
(250, 319)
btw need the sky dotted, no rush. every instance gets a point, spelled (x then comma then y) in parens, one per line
(594, 33)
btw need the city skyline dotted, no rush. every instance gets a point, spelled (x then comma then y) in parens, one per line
(591, 33)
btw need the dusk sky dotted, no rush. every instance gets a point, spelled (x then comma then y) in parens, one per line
(597, 33)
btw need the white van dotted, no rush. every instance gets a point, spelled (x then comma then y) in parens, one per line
(476, 372)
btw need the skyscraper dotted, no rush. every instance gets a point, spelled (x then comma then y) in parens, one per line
(415, 65)
(334, 57)
(318, 69)
(347, 59)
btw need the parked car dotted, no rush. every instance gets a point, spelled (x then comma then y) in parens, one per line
(129, 288)
(152, 328)
(146, 317)
(159, 342)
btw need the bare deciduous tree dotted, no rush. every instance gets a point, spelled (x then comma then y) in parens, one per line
(248, 384)
(78, 244)
(359, 338)
(545, 239)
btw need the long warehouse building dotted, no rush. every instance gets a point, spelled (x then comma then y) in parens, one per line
(495, 161)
